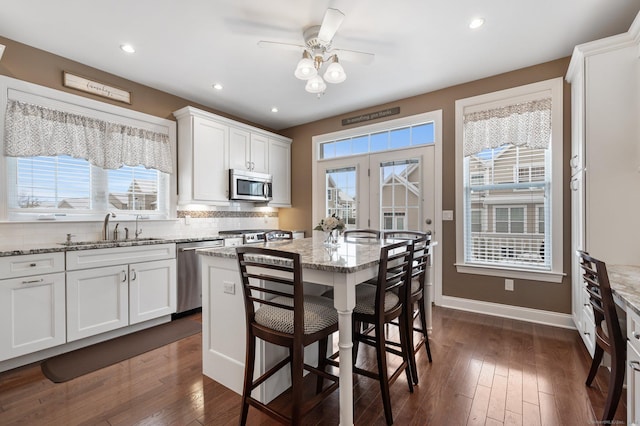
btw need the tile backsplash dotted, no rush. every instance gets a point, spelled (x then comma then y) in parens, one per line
(188, 224)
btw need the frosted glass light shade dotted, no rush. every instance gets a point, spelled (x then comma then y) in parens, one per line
(305, 69)
(315, 85)
(335, 73)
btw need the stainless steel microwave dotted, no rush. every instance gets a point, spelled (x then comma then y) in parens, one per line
(245, 185)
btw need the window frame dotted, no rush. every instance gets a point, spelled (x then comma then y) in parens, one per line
(509, 207)
(554, 88)
(11, 88)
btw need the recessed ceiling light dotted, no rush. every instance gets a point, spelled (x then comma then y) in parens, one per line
(274, 109)
(217, 86)
(476, 23)
(127, 48)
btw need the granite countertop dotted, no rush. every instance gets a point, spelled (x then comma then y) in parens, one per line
(11, 249)
(625, 283)
(346, 258)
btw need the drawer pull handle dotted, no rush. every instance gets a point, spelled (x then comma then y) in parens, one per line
(33, 265)
(635, 365)
(636, 335)
(134, 276)
(586, 333)
(33, 281)
(124, 276)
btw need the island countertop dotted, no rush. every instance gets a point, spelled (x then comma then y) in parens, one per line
(625, 284)
(346, 257)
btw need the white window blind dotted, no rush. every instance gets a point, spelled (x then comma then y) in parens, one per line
(507, 186)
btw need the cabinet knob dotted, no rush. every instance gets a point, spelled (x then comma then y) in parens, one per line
(33, 281)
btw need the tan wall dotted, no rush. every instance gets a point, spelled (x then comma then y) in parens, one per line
(537, 295)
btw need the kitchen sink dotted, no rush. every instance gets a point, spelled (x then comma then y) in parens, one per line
(107, 242)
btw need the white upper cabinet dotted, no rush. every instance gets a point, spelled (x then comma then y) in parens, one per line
(248, 151)
(210, 145)
(280, 169)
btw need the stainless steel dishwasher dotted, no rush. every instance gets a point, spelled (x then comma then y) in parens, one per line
(189, 275)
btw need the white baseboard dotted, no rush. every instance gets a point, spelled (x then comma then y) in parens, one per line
(508, 311)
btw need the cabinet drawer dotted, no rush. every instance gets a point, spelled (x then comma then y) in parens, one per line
(96, 258)
(31, 264)
(633, 329)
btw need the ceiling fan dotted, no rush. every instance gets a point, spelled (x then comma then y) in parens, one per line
(318, 50)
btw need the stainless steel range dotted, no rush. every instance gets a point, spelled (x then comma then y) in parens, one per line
(249, 236)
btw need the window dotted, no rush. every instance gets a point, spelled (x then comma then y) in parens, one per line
(509, 174)
(93, 141)
(393, 221)
(403, 137)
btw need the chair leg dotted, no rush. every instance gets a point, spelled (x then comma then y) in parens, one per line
(616, 380)
(595, 364)
(410, 353)
(423, 324)
(322, 362)
(406, 347)
(381, 355)
(249, 366)
(297, 361)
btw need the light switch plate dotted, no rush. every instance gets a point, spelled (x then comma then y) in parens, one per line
(447, 214)
(229, 287)
(508, 285)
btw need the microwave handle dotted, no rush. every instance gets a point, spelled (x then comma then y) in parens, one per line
(265, 190)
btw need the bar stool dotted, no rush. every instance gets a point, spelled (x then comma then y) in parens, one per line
(284, 318)
(608, 339)
(361, 235)
(421, 258)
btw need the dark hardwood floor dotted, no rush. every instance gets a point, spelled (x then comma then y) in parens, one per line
(485, 371)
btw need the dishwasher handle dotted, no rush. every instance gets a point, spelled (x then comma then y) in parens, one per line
(201, 247)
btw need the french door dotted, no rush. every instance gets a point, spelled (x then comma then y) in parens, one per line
(391, 190)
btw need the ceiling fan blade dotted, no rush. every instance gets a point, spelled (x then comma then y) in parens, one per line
(330, 23)
(354, 56)
(281, 46)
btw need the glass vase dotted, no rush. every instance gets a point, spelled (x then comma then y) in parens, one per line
(331, 238)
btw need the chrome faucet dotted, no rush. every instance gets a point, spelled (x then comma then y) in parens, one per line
(138, 231)
(105, 226)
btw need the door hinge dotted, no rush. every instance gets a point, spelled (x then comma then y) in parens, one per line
(368, 223)
(368, 172)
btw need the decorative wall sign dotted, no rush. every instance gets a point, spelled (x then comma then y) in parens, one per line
(95, 88)
(371, 116)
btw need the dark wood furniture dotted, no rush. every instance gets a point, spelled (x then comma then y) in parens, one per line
(415, 303)
(608, 337)
(283, 316)
(277, 235)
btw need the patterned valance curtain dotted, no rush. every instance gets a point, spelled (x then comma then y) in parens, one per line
(33, 130)
(525, 124)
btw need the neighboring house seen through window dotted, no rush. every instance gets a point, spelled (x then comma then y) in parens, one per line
(509, 164)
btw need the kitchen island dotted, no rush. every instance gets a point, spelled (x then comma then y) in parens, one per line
(223, 319)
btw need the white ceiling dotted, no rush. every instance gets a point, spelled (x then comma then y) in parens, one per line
(183, 47)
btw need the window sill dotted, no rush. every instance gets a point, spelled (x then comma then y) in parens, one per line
(522, 274)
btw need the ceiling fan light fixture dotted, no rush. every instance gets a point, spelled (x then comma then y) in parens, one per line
(315, 85)
(306, 68)
(335, 73)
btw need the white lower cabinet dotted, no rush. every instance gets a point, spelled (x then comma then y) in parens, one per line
(97, 301)
(633, 386)
(152, 290)
(111, 294)
(32, 314)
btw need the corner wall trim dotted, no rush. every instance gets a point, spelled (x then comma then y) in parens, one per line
(554, 319)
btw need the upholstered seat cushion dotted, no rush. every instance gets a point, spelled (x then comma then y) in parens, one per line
(365, 298)
(319, 314)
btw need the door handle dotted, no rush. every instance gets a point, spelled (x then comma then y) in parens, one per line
(124, 276)
(134, 276)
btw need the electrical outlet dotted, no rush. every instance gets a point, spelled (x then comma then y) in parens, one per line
(229, 287)
(447, 214)
(508, 285)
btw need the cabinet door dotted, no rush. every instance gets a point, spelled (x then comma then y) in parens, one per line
(32, 314)
(97, 301)
(633, 386)
(210, 160)
(239, 149)
(280, 169)
(259, 153)
(152, 290)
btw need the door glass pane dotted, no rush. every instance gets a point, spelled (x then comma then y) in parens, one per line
(341, 194)
(400, 194)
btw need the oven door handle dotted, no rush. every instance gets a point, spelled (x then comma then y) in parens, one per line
(197, 248)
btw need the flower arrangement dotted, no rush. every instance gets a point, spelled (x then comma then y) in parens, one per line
(330, 223)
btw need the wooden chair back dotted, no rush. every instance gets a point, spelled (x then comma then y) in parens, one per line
(361, 235)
